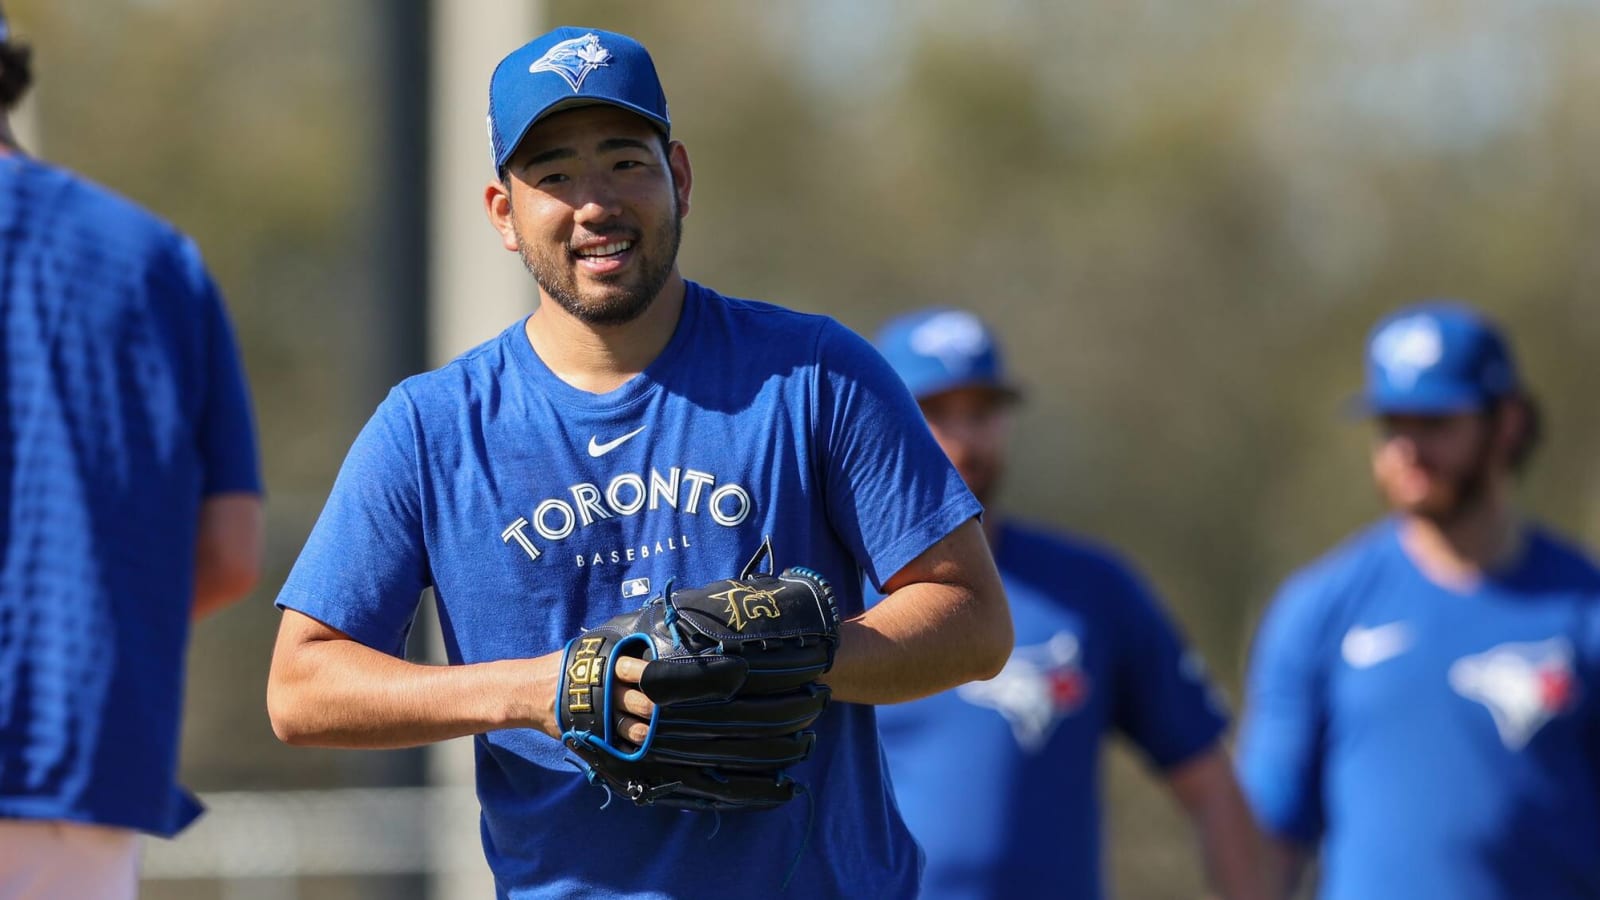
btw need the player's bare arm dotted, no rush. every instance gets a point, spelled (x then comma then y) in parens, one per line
(1229, 841)
(228, 550)
(1285, 864)
(328, 690)
(943, 622)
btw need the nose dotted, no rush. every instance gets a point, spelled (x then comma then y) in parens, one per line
(598, 202)
(1402, 444)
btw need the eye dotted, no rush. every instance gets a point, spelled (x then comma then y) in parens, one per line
(553, 178)
(630, 164)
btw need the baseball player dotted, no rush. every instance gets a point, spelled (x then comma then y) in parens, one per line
(999, 779)
(1424, 701)
(131, 506)
(636, 430)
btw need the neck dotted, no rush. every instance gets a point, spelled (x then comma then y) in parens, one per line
(8, 140)
(1456, 553)
(601, 358)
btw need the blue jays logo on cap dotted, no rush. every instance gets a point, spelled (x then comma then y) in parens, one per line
(955, 337)
(1436, 358)
(938, 350)
(567, 68)
(574, 59)
(1408, 346)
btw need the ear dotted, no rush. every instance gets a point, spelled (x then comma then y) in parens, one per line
(497, 205)
(1512, 424)
(682, 174)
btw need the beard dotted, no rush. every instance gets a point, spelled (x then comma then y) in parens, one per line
(627, 295)
(983, 480)
(1463, 493)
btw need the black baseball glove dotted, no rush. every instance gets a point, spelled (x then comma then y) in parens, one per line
(732, 669)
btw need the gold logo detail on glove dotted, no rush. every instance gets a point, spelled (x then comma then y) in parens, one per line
(747, 603)
(583, 673)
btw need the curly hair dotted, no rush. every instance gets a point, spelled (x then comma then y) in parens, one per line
(16, 72)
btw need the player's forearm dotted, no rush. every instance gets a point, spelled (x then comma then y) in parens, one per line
(228, 551)
(922, 639)
(1230, 844)
(339, 693)
(1285, 865)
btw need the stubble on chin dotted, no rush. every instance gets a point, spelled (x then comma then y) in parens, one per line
(624, 303)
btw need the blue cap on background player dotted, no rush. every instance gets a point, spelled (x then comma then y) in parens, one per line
(937, 350)
(565, 68)
(1436, 358)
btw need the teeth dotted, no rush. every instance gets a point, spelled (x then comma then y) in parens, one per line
(606, 249)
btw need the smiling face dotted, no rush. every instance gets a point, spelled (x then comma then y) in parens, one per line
(593, 201)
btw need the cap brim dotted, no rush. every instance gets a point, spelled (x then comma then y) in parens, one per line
(1005, 391)
(578, 102)
(1365, 406)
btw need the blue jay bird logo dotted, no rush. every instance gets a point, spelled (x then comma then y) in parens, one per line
(574, 59)
(1039, 687)
(1524, 685)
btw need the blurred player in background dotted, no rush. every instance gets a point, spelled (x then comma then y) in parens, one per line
(637, 428)
(999, 779)
(1424, 701)
(128, 475)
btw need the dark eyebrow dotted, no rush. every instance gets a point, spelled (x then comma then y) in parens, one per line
(609, 145)
(539, 159)
(622, 143)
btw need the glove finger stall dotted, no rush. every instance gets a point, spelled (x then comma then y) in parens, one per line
(748, 754)
(753, 716)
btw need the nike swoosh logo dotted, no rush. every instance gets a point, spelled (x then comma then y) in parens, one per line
(1364, 648)
(597, 449)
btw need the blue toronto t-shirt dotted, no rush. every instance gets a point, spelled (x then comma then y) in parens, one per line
(535, 509)
(124, 407)
(999, 779)
(1437, 743)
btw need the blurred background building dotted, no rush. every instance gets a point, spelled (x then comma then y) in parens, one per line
(1182, 217)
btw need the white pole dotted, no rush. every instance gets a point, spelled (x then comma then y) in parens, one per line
(475, 290)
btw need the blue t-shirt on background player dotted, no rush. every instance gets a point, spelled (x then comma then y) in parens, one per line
(535, 509)
(999, 779)
(1439, 743)
(125, 407)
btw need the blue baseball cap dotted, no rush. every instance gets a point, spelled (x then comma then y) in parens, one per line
(5, 30)
(566, 68)
(1437, 358)
(942, 349)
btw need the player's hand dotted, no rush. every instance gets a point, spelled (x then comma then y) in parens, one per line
(634, 723)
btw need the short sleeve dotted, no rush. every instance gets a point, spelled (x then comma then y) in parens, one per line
(1281, 744)
(891, 492)
(225, 430)
(364, 567)
(1164, 700)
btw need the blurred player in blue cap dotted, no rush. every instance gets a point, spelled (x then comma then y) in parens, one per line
(131, 505)
(1424, 701)
(636, 429)
(999, 779)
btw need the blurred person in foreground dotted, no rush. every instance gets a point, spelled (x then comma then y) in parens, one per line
(1000, 779)
(635, 430)
(1424, 701)
(128, 475)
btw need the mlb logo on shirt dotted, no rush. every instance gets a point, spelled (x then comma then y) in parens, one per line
(636, 587)
(1524, 685)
